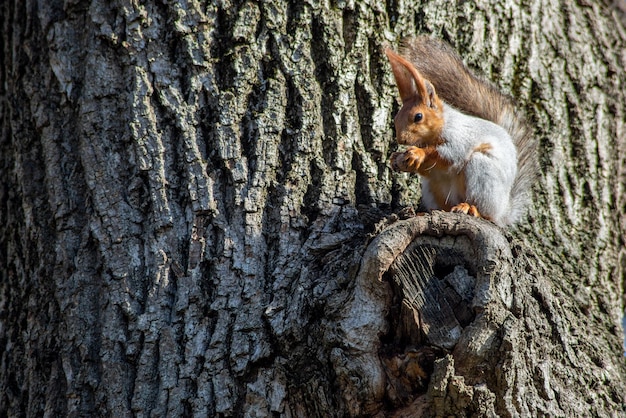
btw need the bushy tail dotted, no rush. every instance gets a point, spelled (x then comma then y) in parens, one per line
(462, 89)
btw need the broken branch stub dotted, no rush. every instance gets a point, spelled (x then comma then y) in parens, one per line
(443, 272)
(446, 268)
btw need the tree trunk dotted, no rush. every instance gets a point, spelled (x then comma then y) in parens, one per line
(199, 217)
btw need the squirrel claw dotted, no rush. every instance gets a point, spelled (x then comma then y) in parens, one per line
(467, 209)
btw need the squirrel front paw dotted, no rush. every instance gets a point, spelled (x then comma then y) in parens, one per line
(409, 160)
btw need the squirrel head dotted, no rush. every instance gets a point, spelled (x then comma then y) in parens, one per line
(420, 120)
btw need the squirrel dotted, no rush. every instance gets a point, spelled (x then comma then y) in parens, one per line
(465, 138)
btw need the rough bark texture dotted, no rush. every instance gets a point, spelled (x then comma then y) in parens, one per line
(196, 204)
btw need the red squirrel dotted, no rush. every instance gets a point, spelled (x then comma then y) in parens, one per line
(472, 149)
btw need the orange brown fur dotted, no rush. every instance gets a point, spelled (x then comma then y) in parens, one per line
(438, 189)
(427, 132)
(483, 148)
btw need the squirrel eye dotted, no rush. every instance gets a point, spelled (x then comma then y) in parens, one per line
(418, 117)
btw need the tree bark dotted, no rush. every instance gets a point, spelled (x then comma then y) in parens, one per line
(199, 217)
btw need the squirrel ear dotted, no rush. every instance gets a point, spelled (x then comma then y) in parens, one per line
(409, 81)
(430, 90)
(404, 80)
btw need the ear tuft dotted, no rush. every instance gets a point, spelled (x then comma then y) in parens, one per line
(410, 82)
(402, 74)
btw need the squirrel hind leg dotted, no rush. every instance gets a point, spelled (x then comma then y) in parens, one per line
(467, 209)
